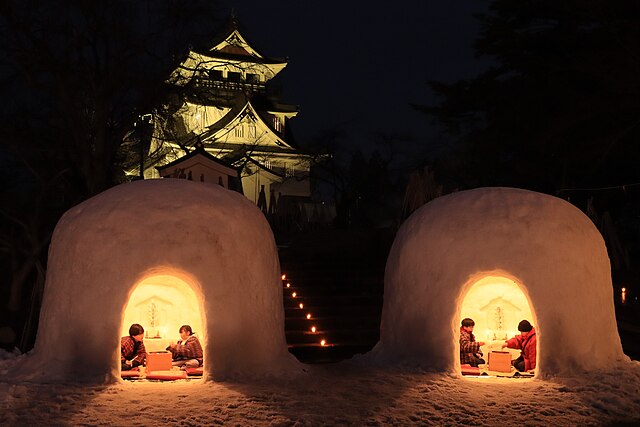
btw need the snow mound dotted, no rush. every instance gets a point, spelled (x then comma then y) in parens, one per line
(213, 239)
(542, 243)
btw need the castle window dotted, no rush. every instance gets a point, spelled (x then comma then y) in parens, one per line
(233, 76)
(277, 124)
(239, 131)
(252, 131)
(289, 169)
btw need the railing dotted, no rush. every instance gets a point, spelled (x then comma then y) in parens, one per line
(272, 90)
(230, 85)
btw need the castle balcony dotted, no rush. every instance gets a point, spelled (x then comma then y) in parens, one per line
(230, 85)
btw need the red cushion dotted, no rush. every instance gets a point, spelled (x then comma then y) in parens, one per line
(469, 370)
(166, 375)
(192, 372)
(133, 373)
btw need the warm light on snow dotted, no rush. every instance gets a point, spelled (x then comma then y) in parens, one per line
(129, 256)
(161, 304)
(496, 304)
(551, 249)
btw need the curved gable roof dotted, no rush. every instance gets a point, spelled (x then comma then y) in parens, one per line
(236, 115)
(232, 42)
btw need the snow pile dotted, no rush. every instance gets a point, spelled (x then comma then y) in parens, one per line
(544, 244)
(213, 239)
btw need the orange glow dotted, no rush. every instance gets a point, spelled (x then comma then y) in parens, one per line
(308, 315)
(294, 294)
(284, 276)
(623, 296)
(161, 304)
(313, 329)
(288, 285)
(301, 305)
(323, 342)
(496, 304)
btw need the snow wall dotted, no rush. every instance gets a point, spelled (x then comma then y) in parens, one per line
(213, 239)
(544, 244)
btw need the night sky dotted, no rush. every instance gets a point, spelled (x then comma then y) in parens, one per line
(362, 67)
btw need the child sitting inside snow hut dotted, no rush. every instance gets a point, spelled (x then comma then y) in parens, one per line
(132, 351)
(470, 353)
(526, 342)
(187, 352)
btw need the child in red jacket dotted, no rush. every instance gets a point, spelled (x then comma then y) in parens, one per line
(526, 342)
(132, 351)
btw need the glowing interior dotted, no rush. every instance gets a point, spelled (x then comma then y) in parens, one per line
(497, 305)
(161, 304)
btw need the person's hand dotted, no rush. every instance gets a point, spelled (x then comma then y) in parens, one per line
(129, 362)
(504, 345)
(480, 343)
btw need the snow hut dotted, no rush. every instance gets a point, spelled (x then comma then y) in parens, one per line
(174, 250)
(534, 255)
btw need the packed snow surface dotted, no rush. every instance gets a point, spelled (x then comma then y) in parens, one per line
(545, 245)
(347, 393)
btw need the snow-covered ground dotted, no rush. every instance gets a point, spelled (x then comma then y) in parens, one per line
(347, 393)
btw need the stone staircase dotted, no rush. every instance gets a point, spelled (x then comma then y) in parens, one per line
(338, 277)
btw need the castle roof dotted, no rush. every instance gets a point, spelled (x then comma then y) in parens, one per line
(232, 44)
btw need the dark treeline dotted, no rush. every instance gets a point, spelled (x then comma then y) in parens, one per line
(557, 112)
(75, 76)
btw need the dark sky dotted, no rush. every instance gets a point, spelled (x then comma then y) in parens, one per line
(363, 66)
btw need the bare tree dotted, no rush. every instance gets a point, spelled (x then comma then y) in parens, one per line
(76, 76)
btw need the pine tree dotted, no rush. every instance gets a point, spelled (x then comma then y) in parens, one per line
(560, 105)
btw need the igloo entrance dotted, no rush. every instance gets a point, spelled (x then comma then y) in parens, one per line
(162, 303)
(496, 304)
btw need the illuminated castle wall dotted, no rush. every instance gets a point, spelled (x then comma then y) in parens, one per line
(227, 104)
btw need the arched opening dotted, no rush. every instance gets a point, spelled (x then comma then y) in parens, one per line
(162, 303)
(497, 304)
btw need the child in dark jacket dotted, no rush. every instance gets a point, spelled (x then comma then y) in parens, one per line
(470, 353)
(187, 352)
